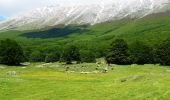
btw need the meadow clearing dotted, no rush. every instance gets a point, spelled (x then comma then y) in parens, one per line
(40, 81)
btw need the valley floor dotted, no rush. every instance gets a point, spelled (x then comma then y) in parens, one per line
(39, 81)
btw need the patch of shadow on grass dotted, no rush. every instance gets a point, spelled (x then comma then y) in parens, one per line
(132, 78)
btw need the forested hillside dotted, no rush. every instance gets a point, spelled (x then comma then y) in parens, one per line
(151, 29)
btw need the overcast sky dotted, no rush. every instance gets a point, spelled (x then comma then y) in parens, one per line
(12, 7)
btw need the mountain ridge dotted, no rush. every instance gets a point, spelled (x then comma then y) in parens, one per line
(83, 14)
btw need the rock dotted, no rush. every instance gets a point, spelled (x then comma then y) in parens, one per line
(12, 73)
(70, 71)
(26, 64)
(2, 67)
(133, 65)
(23, 67)
(94, 72)
(105, 70)
(168, 71)
(46, 64)
(39, 66)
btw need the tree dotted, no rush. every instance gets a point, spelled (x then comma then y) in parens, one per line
(11, 52)
(52, 57)
(163, 53)
(37, 56)
(87, 56)
(70, 53)
(140, 53)
(118, 53)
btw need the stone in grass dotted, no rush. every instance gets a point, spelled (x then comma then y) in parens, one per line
(94, 72)
(133, 65)
(11, 73)
(168, 71)
(1, 67)
(40, 66)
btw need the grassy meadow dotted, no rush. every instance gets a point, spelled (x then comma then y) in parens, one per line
(40, 81)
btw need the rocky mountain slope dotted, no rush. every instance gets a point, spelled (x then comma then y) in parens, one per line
(53, 16)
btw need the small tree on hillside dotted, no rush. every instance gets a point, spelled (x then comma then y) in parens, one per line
(70, 53)
(11, 52)
(118, 53)
(140, 53)
(163, 53)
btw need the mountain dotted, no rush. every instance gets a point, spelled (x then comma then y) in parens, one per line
(151, 29)
(55, 16)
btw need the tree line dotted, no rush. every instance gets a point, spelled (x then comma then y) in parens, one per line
(138, 53)
(11, 53)
(119, 52)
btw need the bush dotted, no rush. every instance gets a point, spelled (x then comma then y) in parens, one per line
(11, 52)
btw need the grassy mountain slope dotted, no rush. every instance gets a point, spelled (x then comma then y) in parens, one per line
(152, 29)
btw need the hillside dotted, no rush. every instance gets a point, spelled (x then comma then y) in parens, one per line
(151, 29)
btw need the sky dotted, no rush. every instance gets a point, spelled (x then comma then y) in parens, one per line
(12, 7)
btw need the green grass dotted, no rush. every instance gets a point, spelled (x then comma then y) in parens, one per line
(138, 82)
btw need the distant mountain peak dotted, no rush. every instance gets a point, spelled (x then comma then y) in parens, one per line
(51, 16)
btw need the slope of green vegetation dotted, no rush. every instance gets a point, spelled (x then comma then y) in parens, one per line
(39, 81)
(151, 30)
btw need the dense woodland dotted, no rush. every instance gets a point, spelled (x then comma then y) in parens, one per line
(119, 52)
